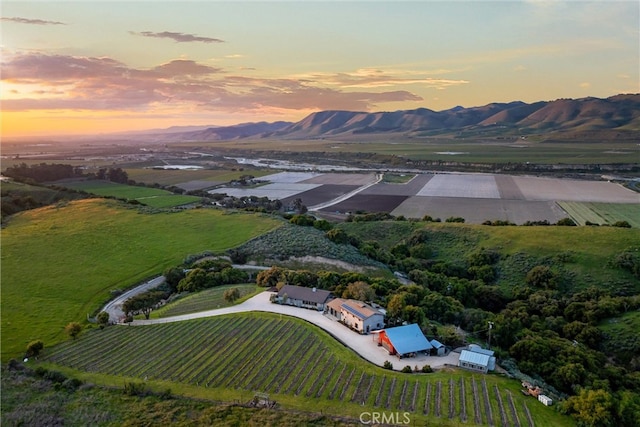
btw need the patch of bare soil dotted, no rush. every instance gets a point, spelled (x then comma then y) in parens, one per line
(320, 261)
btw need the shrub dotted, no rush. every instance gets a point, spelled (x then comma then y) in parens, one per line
(54, 376)
(71, 384)
(407, 369)
(566, 222)
(454, 219)
(34, 348)
(427, 369)
(622, 224)
(135, 389)
(73, 329)
(387, 365)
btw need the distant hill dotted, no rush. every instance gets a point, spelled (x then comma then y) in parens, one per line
(203, 133)
(620, 112)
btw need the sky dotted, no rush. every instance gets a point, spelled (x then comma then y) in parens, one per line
(88, 67)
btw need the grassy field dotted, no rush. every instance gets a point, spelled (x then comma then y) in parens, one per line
(603, 213)
(208, 299)
(473, 149)
(154, 197)
(395, 178)
(621, 335)
(173, 177)
(521, 247)
(60, 263)
(298, 365)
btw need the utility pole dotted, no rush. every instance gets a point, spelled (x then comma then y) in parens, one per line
(490, 327)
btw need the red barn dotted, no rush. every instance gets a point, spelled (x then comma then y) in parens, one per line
(404, 340)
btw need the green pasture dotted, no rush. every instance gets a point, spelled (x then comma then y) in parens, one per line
(603, 213)
(208, 299)
(59, 263)
(154, 197)
(588, 250)
(230, 358)
(173, 176)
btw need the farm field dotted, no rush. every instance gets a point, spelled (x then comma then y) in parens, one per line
(474, 197)
(60, 263)
(477, 148)
(603, 213)
(178, 177)
(476, 211)
(208, 299)
(153, 197)
(299, 366)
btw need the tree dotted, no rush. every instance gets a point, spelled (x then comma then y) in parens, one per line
(142, 303)
(173, 276)
(73, 329)
(195, 280)
(103, 319)
(230, 295)
(591, 407)
(269, 278)
(34, 348)
(541, 276)
(359, 290)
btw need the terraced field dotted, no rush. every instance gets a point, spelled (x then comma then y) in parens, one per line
(296, 364)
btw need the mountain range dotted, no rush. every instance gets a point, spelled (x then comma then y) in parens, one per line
(620, 113)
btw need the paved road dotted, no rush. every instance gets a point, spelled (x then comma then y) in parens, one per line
(114, 307)
(364, 345)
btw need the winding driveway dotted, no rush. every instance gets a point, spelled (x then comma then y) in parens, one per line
(364, 345)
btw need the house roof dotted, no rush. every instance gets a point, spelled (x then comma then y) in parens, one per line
(359, 309)
(475, 358)
(436, 343)
(316, 296)
(477, 349)
(408, 339)
(335, 303)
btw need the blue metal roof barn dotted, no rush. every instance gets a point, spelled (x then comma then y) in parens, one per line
(406, 339)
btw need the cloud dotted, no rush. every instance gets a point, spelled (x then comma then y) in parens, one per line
(61, 82)
(32, 21)
(178, 37)
(519, 68)
(585, 85)
(376, 78)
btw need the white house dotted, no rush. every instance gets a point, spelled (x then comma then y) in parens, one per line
(477, 349)
(474, 361)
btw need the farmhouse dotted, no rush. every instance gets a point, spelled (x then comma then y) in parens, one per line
(477, 358)
(356, 314)
(404, 340)
(300, 296)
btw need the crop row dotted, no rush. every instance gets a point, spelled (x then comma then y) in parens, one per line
(277, 356)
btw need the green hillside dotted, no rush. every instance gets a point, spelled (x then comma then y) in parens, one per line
(59, 263)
